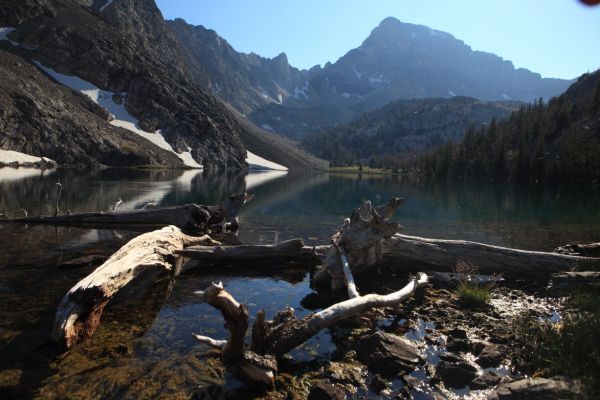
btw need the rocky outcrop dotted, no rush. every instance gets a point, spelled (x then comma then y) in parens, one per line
(124, 47)
(41, 118)
(454, 371)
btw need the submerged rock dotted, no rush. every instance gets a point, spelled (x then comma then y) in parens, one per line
(538, 388)
(485, 380)
(378, 384)
(323, 391)
(346, 373)
(387, 354)
(457, 374)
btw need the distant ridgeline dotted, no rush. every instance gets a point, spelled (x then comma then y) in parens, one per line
(555, 141)
(404, 126)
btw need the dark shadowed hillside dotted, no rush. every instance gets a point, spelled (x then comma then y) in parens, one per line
(559, 140)
(404, 126)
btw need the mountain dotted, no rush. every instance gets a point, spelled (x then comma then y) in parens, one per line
(397, 61)
(120, 54)
(557, 142)
(404, 126)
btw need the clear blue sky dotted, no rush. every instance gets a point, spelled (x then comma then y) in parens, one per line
(556, 38)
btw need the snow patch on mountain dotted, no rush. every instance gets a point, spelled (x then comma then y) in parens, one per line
(358, 74)
(4, 31)
(267, 127)
(301, 92)
(108, 3)
(18, 158)
(259, 163)
(122, 118)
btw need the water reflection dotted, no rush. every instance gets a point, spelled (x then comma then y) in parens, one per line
(33, 278)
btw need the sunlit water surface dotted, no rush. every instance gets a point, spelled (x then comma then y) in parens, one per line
(150, 329)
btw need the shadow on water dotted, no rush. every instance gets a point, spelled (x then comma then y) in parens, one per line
(143, 348)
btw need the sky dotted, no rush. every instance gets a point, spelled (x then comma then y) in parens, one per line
(556, 38)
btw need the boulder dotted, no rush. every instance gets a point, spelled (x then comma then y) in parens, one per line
(490, 356)
(387, 354)
(455, 374)
(485, 380)
(324, 391)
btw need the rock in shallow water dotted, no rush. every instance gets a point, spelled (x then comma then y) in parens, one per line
(456, 374)
(538, 388)
(387, 354)
(485, 380)
(489, 357)
(323, 391)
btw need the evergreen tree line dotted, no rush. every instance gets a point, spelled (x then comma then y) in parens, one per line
(558, 141)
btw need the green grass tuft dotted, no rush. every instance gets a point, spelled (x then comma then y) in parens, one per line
(473, 295)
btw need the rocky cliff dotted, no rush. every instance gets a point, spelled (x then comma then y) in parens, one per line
(123, 57)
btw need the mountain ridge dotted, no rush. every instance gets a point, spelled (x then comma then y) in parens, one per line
(396, 61)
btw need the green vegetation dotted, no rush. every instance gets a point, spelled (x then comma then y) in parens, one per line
(540, 142)
(472, 295)
(570, 348)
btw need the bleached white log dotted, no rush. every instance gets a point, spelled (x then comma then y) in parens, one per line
(79, 312)
(214, 343)
(412, 252)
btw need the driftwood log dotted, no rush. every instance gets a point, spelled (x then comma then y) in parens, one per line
(293, 248)
(79, 312)
(573, 280)
(190, 216)
(256, 363)
(417, 253)
(586, 250)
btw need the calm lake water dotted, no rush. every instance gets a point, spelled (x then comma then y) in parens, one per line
(143, 347)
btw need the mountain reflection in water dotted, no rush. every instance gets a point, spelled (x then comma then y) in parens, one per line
(143, 347)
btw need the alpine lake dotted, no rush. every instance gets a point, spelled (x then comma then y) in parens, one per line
(144, 348)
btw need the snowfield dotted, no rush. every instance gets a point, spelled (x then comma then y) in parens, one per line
(122, 118)
(15, 157)
(259, 163)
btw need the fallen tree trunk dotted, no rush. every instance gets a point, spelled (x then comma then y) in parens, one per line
(190, 216)
(285, 332)
(79, 312)
(586, 250)
(575, 280)
(288, 249)
(411, 253)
